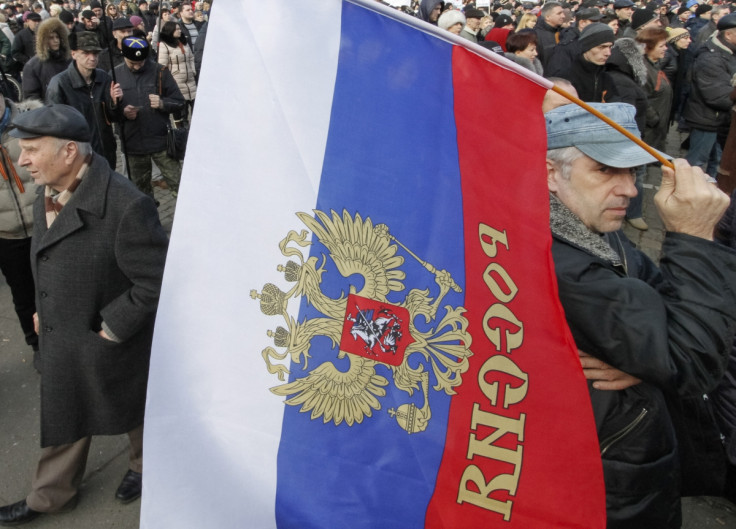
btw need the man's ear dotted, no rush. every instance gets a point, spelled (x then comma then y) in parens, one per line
(71, 151)
(553, 173)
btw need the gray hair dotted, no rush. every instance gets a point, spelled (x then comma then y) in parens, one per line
(564, 159)
(719, 8)
(547, 8)
(83, 148)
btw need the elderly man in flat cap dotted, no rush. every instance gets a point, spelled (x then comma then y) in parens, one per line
(654, 339)
(97, 256)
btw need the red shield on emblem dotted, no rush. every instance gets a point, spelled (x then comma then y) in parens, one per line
(376, 330)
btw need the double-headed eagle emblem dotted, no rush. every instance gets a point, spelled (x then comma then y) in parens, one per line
(376, 336)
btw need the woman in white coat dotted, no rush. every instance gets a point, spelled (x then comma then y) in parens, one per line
(176, 54)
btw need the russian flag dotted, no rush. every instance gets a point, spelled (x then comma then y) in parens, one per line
(359, 325)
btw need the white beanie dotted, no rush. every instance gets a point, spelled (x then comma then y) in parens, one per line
(450, 18)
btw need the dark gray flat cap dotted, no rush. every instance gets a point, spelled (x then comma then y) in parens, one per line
(59, 121)
(727, 22)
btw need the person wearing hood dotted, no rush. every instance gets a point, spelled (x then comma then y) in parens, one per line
(522, 49)
(52, 57)
(430, 10)
(627, 70)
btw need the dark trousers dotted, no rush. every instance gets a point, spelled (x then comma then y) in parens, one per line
(15, 264)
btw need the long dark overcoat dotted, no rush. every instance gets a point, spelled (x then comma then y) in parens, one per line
(102, 259)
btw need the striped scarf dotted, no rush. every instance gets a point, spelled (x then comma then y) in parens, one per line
(54, 204)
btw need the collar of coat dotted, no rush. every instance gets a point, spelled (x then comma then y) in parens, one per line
(630, 52)
(90, 196)
(567, 226)
(77, 81)
(720, 44)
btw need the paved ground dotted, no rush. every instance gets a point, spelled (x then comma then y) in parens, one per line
(19, 403)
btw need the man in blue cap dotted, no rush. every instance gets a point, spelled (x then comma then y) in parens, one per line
(97, 256)
(652, 337)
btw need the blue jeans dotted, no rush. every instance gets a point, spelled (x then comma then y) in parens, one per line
(704, 151)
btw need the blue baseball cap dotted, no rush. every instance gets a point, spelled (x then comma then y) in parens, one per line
(573, 126)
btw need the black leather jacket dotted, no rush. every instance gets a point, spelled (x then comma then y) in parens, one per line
(669, 326)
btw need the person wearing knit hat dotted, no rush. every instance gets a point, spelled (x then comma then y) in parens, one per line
(452, 21)
(701, 19)
(677, 34)
(702, 10)
(644, 18)
(598, 37)
(137, 23)
(707, 31)
(582, 62)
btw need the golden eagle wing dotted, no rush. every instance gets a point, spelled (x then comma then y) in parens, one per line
(335, 395)
(358, 248)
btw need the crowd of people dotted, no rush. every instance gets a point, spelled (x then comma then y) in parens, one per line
(654, 341)
(674, 61)
(82, 82)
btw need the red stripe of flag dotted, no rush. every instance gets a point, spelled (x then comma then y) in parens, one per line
(521, 448)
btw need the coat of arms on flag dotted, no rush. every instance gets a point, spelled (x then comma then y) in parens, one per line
(374, 336)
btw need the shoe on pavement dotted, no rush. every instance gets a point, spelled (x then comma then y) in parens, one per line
(638, 223)
(130, 487)
(17, 513)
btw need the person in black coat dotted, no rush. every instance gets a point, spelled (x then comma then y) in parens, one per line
(24, 44)
(585, 68)
(150, 95)
(548, 29)
(90, 90)
(97, 257)
(670, 326)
